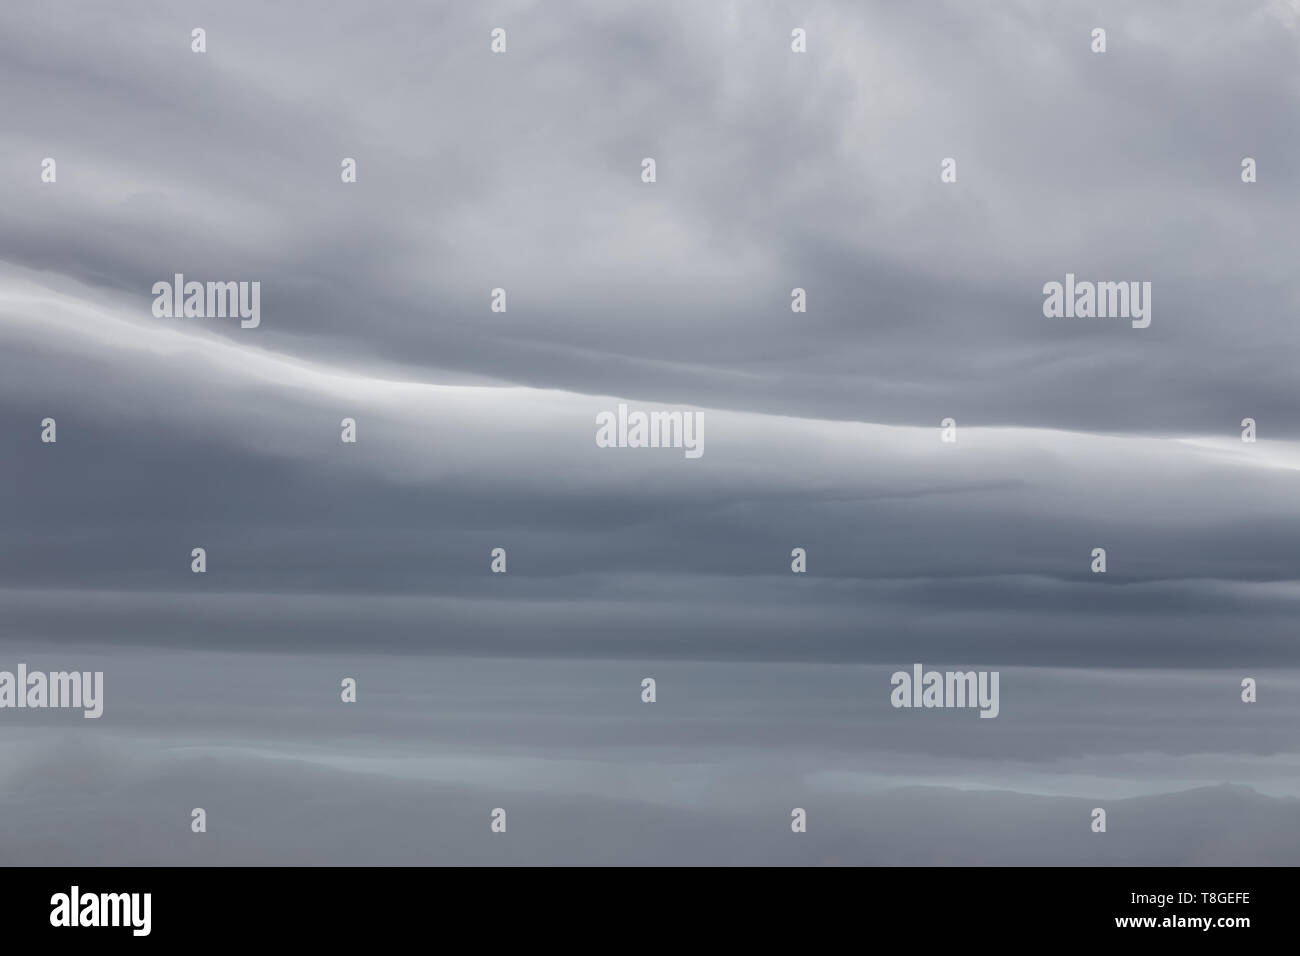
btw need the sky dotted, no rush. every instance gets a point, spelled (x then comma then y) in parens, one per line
(476, 430)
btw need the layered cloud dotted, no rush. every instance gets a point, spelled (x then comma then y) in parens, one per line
(476, 429)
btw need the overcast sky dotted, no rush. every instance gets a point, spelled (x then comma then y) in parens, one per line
(476, 429)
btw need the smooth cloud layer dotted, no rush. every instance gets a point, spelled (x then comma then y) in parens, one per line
(476, 429)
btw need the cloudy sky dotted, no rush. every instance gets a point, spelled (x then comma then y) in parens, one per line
(475, 430)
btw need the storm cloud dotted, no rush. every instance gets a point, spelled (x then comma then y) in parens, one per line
(475, 428)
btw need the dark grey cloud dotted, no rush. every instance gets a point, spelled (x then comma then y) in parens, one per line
(276, 814)
(821, 171)
(476, 429)
(410, 774)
